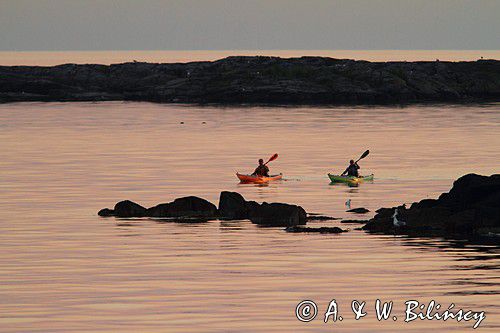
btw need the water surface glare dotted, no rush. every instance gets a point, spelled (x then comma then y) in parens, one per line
(64, 269)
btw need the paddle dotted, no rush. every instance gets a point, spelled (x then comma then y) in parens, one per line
(275, 156)
(363, 156)
(359, 159)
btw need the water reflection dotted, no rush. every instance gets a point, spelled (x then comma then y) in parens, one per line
(65, 269)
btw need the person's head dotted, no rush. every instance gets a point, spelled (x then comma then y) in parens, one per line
(261, 161)
(351, 162)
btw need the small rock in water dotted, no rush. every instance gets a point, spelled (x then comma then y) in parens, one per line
(360, 210)
(106, 212)
(321, 218)
(354, 221)
(321, 230)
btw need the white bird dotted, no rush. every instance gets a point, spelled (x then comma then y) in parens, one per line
(397, 223)
(348, 203)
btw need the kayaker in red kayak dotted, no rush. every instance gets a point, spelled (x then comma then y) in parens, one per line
(352, 169)
(262, 170)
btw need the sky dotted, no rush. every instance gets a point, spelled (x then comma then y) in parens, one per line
(249, 24)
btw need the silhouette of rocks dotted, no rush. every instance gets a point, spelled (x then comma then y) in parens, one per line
(184, 207)
(471, 207)
(106, 212)
(354, 221)
(321, 218)
(278, 214)
(232, 206)
(360, 210)
(128, 208)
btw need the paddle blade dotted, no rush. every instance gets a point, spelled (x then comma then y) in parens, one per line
(275, 156)
(364, 154)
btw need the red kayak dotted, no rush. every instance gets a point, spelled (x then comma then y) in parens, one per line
(257, 179)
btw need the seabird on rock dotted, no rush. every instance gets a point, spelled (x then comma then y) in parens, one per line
(397, 223)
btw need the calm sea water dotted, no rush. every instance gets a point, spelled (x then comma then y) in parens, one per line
(64, 269)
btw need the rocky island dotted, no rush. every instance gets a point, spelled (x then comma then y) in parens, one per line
(257, 80)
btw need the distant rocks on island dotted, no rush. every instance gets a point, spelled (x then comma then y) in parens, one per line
(257, 80)
(471, 208)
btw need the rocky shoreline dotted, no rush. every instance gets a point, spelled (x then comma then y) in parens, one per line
(257, 80)
(471, 209)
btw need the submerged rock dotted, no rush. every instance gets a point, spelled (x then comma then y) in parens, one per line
(360, 210)
(315, 217)
(182, 219)
(472, 207)
(322, 230)
(355, 221)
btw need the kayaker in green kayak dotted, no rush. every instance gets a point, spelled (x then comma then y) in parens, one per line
(262, 170)
(352, 169)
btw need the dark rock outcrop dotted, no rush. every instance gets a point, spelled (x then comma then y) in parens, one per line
(472, 207)
(278, 214)
(128, 208)
(184, 207)
(321, 218)
(355, 221)
(106, 212)
(232, 206)
(360, 210)
(322, 230)
(305, 80)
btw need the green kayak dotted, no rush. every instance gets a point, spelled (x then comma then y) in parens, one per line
(348, 179)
